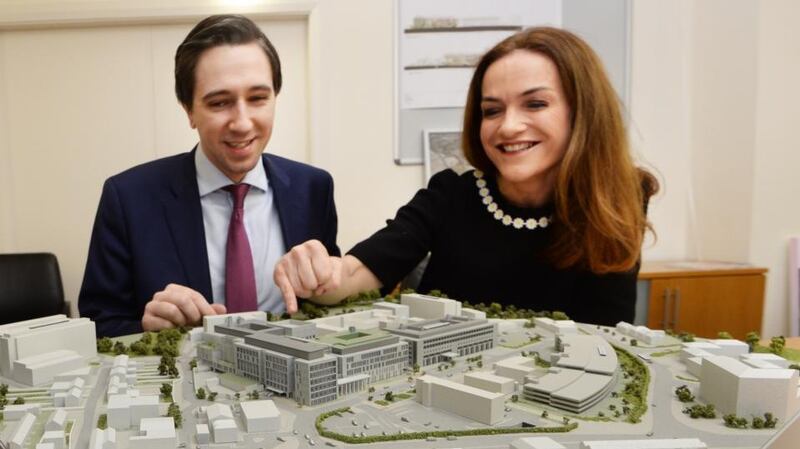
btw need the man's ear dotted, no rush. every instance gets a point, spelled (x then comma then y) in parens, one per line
(189, 115)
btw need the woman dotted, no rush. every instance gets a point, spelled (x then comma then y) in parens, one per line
(552, 219)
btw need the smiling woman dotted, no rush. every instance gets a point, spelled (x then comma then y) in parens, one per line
(552, 218)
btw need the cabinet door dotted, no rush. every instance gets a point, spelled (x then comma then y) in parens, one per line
(707, 305)
(658, 310)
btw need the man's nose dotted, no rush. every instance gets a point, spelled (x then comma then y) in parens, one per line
(240, 120)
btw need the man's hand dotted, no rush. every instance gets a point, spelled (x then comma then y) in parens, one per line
(176, 306)
(307, 270)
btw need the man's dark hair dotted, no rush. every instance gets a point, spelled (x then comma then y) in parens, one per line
(213, 31)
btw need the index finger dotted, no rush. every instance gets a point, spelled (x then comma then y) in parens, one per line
(289, 298)
(202, 305)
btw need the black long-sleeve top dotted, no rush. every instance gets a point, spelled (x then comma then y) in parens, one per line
(475, 257)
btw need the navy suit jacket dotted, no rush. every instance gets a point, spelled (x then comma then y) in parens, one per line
(149, 232)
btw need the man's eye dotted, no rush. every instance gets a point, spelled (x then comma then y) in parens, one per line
(219, 103)
(259, 98)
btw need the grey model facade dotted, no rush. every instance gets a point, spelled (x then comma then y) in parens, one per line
(437, 340)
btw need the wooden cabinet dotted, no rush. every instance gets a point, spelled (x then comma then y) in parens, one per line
(704, 298)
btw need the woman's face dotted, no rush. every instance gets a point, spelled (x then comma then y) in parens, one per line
(525, 125)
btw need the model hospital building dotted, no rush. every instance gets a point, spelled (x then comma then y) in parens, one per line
(294, 359)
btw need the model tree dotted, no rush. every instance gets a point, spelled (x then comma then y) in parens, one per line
(166, 390)
(752, 338)
(724, 335)
(102, 422)
(684, 394)
(212, 396)
(104, 344)
(139, 347)
(389, 396)
(174, 412)
(3, 389)
(120, 348)
(777, 344)
(19, 400)
(559, 315)
(201, 393)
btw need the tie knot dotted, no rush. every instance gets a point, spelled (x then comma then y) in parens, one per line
(238, 191)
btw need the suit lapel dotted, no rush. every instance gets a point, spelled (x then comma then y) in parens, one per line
(185, 219)
(286, 202)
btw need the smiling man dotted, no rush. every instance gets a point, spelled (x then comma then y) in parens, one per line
(199, 233)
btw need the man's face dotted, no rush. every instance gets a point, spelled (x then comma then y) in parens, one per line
(233, 107)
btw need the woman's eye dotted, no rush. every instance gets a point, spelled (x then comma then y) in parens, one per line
(536, 104)
(489, 112)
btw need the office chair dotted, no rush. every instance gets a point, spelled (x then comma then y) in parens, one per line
(30, 287)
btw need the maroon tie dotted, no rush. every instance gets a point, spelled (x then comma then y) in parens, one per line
(240, 278)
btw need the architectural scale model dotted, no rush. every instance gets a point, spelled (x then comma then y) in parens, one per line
(424, 372)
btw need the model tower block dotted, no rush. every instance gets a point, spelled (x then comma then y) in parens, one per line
(33, 352)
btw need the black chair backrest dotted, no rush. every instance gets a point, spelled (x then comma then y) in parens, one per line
(30, 287)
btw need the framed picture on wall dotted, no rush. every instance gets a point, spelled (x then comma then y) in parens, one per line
(442, 150)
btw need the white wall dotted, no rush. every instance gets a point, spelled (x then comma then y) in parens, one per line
(714, 99)
(775, 214)
(715, 102)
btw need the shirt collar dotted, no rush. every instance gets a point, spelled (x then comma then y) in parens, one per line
(210, 179)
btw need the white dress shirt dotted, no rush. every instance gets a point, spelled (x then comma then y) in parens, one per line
(260, 221)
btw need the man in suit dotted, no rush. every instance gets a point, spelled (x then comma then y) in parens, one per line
(199, 233)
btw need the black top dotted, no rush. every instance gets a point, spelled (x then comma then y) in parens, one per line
(476, 258)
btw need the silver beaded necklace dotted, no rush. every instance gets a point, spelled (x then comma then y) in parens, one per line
(502, 217)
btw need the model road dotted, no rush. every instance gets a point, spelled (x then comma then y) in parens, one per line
(92, 405)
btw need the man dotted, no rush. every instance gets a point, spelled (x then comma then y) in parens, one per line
(199, 233)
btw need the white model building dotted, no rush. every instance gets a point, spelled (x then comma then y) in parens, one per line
(642, 333)
(734, 387)
(381, 315)
(33, 352)
(223, 427)
(581, 376)
(22, 431)
(202, 434)
(558, 327)
(764, 360)
(57, 420)
(55, 437)
(13, 412)
(490, 382)
(155, 433)
(693, 353)
(673, 443)
(568, 389)
(104, 439)
(430, 307)
(261, 416)
(473, 403)
(516, 368)
(125, 411)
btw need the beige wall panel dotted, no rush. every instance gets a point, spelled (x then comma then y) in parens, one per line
(79, 105)
(660, 125)
(6, 210)
(775, 214)
(355, 129)
(723, 125)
